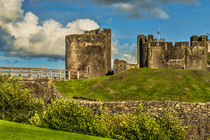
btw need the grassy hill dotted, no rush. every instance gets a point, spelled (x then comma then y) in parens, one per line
(143, 84)
(17, 131)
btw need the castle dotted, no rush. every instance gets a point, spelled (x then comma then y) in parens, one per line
(90, 54)
(161, 54)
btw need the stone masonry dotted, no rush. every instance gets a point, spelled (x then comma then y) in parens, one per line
(154, 54)
(195, 114)
(122, 65)
(89, 53)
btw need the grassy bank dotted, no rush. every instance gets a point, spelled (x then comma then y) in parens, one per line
(17, 131)
(143, 84)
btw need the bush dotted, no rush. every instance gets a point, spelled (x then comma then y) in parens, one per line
(70, 116)
(16, 103)
(171, 125)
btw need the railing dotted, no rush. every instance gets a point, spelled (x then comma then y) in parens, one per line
(39, 73)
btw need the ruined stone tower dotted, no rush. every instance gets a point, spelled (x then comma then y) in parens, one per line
(89, 53)
(153, 54)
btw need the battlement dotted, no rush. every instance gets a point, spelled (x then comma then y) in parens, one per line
(195, 41)
(97, 32)
(153, 53)
(93, 36)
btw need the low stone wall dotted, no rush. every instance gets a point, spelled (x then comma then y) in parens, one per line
(43, 89)
(195, 114)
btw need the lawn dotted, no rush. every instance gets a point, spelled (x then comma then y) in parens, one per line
(142, 84)
(17, 131)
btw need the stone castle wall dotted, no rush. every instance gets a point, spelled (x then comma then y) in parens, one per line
(122, 65)
(153, 54)
(194, 114)
(89, 53)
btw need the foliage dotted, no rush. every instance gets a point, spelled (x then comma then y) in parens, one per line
(170, 124)
(142, 84)
(67, 116)
(16, 103)
(17, 131)
(70, 116)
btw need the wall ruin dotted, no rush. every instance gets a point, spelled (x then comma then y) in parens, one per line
(122, 65)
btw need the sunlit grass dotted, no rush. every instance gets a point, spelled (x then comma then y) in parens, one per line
(17, 131)
(143, 84)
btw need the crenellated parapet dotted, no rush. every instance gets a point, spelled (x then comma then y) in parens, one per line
(181, 55)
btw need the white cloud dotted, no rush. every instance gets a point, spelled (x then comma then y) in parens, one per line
(130, 55)
(32, 39)
(160, 13)
(124, 6)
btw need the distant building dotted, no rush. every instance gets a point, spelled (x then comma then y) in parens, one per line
(153, 54)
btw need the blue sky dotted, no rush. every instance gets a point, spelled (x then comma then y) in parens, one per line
(32, 33)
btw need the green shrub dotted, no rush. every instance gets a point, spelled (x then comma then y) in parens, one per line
(171, 125)
(70, 116)
(16, 103)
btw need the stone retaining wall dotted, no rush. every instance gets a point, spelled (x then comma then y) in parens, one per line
(195, 114)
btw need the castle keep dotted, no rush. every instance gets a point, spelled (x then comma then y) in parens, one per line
(160, 54)
(89, 53)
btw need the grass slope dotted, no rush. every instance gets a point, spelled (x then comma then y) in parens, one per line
(17, 131)
(143, 84)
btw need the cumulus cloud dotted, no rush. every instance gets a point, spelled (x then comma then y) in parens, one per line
(23, 36)
(10, 10)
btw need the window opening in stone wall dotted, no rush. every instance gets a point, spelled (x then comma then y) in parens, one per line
(88, 69)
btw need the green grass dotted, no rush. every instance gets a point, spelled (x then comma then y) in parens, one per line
(143, 84)
(17, 131)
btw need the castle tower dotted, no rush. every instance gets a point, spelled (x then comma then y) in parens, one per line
(141, 51)
(89, 53)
